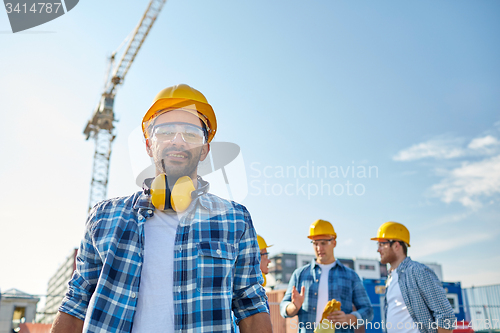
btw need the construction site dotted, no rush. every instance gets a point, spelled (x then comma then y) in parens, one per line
(355, 115)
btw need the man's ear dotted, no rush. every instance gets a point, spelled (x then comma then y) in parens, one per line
(334, 242)
(204, 151)
(148, 148)
(397, 247)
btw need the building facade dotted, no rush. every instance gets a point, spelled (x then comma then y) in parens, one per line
(16, 307)
(57, 287)
(482, 306)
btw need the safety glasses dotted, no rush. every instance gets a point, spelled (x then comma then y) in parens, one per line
(167, 132)
(383, 244)
(321, 242)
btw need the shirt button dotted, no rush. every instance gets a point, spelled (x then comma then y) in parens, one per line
(150, 211)
(317, 280)
(133, 295)
(315, 294)
(314, 308)
(140, 254)
(218, 251)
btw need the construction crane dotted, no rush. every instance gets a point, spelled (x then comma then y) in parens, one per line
(101, 126)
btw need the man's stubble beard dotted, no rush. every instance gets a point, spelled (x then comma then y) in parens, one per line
(173, 172)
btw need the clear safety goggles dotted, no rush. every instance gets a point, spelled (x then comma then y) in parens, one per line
(321, 242)
(383, 244)
(167, 132)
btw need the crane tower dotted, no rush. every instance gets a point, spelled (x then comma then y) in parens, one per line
(100, 127)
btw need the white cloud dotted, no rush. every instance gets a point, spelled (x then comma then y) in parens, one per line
(437, 148)
(469, 182)
(448, 148)
(484, 143)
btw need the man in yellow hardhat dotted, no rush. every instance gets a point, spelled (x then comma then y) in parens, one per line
(264, 258)
(415, 300)
(172, 257)
(321, 281)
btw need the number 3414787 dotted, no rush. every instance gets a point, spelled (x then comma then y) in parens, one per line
(36, 8)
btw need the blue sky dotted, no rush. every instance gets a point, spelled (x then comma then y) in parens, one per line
(408, 88)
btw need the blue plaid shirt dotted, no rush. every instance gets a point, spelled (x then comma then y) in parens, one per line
(343, 284)
(216, 266)
(424, 297)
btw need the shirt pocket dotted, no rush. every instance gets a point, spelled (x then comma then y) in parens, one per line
(214, 267)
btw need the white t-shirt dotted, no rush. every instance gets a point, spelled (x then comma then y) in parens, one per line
(398, 317)
(155, 304)
(323, 289)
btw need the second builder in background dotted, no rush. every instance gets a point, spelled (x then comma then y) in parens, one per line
(313, 285)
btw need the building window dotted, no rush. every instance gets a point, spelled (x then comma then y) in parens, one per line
(289, 263)
(19, 316)
(367, 267)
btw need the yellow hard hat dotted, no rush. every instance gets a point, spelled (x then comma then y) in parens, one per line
(393, 230)
(183, 97)
(262, 243)
(321, 227)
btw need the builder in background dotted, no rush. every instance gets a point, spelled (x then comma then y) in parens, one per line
(415, 300)
(323, 280)
(264, 257)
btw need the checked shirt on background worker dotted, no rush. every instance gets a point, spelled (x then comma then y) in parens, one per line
(415, 300)
(173, 257)
(312, 286)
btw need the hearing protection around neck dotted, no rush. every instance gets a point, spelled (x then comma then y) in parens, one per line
(179, 198)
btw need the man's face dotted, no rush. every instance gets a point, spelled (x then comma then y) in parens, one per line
(387, 254)
(264, 261)
(323, 248)
(174, 156)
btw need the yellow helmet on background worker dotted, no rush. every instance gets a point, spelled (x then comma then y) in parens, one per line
(183, 97)
(393, 230)
(262, 243)
(321, 227)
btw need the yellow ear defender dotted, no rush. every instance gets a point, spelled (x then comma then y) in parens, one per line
(179, 198)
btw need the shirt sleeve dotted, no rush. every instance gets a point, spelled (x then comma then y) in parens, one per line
(287, 299)
(249, 297)
(85, 277)
(435, 298)
(361, 301)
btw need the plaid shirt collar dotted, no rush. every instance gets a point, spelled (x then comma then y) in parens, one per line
(403, 265)
(314, 264)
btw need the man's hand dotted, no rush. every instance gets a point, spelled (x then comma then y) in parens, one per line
(297, 300)
(342, 318)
